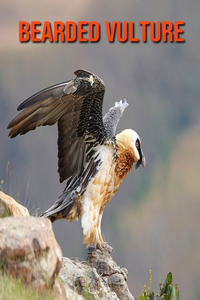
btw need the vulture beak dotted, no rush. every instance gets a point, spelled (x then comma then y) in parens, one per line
(141, 161)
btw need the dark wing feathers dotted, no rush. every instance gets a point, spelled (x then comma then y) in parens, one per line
(76, 105)
(75, 187)
(55, 91)
(40, 113)
(70, 146)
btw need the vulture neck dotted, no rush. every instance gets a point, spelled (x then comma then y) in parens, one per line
(125, 155)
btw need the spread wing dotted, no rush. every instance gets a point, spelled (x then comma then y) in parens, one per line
(76, 106)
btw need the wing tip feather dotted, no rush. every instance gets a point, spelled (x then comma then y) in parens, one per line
(83, 73)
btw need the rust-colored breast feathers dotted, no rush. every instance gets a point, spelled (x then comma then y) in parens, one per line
(125, 154)
(124, 164)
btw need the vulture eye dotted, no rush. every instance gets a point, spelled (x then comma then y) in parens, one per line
(137, 144)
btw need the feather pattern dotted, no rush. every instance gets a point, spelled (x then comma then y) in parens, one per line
(89, 158)
(76, 106)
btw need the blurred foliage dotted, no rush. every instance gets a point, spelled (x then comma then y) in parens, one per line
(168, 291)
(14, 289)
(148, 294)
(5, 185)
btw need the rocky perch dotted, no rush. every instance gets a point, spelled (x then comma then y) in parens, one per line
(28, 250)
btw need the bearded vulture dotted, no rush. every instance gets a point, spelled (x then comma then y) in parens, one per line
(91, 158)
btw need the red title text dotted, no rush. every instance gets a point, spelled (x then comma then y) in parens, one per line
(90, 32)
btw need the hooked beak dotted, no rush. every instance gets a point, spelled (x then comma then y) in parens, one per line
(141, 161)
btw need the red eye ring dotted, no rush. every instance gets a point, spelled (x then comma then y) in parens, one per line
(137, 144)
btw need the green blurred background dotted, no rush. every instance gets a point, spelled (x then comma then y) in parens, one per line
(153, 221)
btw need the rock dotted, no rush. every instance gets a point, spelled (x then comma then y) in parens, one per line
(107, 268)
(83, 279)
(28, 249)
(99, 277)
(9, 207)
(62, 291)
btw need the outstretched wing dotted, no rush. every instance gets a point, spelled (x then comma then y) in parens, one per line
(76, 106)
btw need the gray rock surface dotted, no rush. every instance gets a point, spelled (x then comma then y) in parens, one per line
(99, 277)
(10, 207)
(62, 291)
(28, 249)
